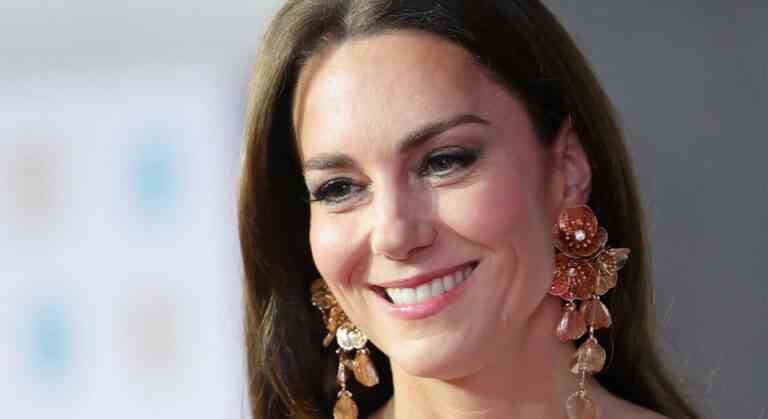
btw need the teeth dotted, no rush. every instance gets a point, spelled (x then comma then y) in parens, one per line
(448, 282)
(395, 293)
(437, 287)
(423, 292)
(429, 290)
(407, 296)
(458, 278)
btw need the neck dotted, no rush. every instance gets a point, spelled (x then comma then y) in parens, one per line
(529, 378)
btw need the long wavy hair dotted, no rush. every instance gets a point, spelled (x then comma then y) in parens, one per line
(521, 45)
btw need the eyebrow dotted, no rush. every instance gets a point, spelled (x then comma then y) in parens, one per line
(409, 142)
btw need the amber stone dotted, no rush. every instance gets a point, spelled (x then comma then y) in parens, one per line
(596, 314)
(579, 406)
(336, 317)
(324, 301)
(572, 325)
(345, 407)
(590, 357)
(321, 295)
(318, 287)
(365, 372)
(341, 373)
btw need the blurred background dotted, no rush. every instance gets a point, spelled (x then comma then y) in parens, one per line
(119, 147)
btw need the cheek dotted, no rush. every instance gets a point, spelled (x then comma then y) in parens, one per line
(324, 242)
(332, 245)
(489, 213)
(506, 215)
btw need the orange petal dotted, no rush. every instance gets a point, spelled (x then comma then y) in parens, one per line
(611, 260)
(584, 245)
(559, 288)
(605, 282)
(577, 218)
(585, 281)
(596, 314)
(579, 274)
(578, 234)
(560, 284)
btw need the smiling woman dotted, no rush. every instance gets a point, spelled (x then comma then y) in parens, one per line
(436, 144)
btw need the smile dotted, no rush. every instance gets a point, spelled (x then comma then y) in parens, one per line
(426, 291)
(425, 295)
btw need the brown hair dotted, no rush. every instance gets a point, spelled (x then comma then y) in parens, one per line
(523, 47)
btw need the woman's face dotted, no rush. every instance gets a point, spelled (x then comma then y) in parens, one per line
(433, 200)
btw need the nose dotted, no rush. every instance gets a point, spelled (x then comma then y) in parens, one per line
(403, 224)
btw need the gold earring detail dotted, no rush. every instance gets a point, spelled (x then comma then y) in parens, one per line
(349, 338)
(585, 269)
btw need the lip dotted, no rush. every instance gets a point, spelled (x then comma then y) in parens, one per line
(433, 305)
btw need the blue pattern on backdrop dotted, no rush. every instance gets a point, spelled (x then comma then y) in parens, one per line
(154, 175)
(50, 342)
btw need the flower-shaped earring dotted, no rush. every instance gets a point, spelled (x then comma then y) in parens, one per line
(349, 338)
(585, 269)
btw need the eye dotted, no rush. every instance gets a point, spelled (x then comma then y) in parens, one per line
(335, 191)
(447, 161)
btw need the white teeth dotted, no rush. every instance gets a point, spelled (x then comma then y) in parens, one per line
(407, 296)
(448, 282)
(458, 278)
(394, 293)
(437, 287)
(429, 290)
(423, 292)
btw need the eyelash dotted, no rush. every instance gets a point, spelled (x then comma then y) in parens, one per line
(323, 192)
(457, 158)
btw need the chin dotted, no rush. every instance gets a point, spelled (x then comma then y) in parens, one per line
(437, 358)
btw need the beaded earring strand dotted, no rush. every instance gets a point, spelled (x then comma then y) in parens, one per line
(585, 269)
(349, 338)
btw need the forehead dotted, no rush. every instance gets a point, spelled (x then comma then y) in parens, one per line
(373, 89)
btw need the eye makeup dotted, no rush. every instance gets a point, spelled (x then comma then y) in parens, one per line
(439, 164)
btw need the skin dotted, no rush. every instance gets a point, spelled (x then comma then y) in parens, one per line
(392, 213)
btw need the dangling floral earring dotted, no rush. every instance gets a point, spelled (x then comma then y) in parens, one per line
(349, 338)
(585, 269)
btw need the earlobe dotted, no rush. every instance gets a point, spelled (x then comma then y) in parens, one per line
(572, 161)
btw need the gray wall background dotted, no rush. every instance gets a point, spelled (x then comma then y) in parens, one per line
(690, 81)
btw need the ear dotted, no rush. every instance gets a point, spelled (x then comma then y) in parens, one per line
(572, 167)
